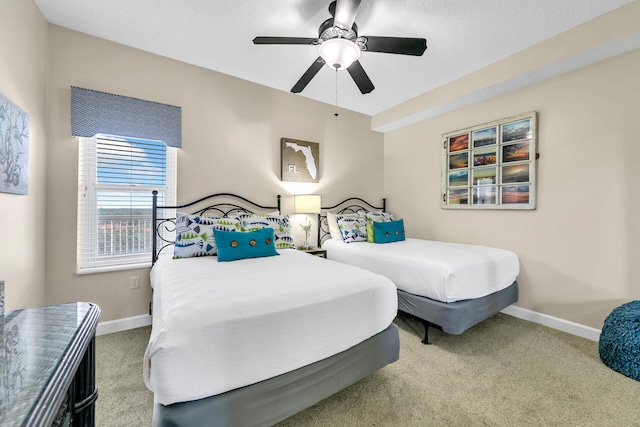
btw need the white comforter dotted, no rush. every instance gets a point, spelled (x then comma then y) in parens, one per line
(441, 271)
(218, 326)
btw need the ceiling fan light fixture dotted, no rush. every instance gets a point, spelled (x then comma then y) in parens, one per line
(339, 53)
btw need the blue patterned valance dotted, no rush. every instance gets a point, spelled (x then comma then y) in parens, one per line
(94, 112)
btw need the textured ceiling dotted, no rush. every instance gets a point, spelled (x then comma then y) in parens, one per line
(462, 36)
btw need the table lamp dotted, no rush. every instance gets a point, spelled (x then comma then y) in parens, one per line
(306, 204)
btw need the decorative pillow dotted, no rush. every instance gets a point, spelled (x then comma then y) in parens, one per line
(245, 213)
(376, 217)
(334, 230)
(387, 232)
(233, 245)
(353, 227)
(279, 223)
(194, 234)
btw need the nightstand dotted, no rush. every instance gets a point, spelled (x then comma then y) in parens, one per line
(319, 252)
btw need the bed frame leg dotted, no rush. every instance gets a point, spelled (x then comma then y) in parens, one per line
(426, 332)
(426, 324)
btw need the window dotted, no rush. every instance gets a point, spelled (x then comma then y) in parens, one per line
(116, 177)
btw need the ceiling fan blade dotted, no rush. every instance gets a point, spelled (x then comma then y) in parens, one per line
(308, 75)
(360, 77)
(345, 13)
(399, 45)
(285, 40)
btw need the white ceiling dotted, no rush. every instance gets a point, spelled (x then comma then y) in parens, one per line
(462, 36)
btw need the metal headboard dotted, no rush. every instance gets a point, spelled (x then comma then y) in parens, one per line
(350, 205)
(233, 204)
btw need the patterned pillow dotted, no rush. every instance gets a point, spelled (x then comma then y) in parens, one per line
(376, 217)
(387, 232)
(353, 227)
(279, 223)
(245, 213)
(194, 234)
(233, 246)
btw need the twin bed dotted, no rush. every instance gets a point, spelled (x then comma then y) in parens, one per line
(253, 341)
(449, 286)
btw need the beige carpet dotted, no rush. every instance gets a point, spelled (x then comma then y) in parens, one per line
(123, 399)
(502, 372)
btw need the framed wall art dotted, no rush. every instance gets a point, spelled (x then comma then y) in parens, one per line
(491, 166)
(300, 160)
(14, 148)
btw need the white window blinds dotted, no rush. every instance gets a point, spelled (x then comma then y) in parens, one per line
(116, 177)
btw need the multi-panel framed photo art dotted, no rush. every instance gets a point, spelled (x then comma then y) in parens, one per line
(491, 166)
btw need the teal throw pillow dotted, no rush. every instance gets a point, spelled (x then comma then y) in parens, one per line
(376, 217)
(234, 245)
(387, 232)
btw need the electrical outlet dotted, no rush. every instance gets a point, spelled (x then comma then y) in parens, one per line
(134, 282)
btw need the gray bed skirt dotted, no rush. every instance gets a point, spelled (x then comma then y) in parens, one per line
(456, 317)
(270, 401)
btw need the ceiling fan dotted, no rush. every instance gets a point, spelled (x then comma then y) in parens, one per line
(340, 46)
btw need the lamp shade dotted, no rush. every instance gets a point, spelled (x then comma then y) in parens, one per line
(339, 53)
(306, 204)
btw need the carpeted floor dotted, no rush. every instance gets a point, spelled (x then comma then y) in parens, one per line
(502, 372)
(123, 399)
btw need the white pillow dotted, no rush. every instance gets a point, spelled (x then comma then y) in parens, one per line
(334, 230)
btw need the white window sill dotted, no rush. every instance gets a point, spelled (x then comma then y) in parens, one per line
(111, 268)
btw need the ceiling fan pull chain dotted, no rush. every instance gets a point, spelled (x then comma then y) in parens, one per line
(336, 113)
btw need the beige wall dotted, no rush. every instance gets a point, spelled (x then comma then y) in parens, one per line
(231, 142)
(613, 33)
(23, 71)
(580, 249)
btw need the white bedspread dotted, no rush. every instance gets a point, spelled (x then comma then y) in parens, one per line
(441, 271)
(218, 326)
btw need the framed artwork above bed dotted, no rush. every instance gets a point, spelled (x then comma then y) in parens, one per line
(300, 160)
(491, 166)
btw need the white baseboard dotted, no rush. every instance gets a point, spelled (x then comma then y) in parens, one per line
(587, 332)
(521, 313)
(123, 324)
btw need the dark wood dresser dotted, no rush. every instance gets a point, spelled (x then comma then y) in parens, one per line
(47, 366)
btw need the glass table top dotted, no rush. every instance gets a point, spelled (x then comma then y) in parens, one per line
(33, 345)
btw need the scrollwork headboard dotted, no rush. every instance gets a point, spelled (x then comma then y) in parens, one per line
(350, 205)
(220, 204)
